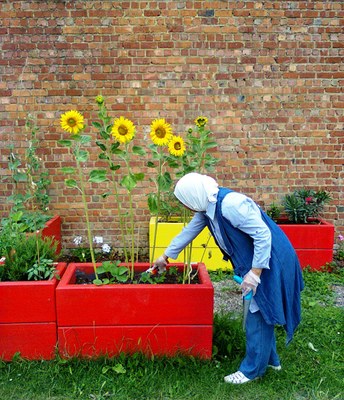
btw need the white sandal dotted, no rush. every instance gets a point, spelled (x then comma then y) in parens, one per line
(237, 378)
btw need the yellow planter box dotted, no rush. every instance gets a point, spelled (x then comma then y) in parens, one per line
(204, 248)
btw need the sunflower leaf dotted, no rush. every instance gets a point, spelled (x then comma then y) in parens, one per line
(139, 151)
(150, 164)
(65, 143)
(97, 125)
(85, 139)
(153, 203)
(129, 182)
(98, 176)
(82, 156)
(68, 170)
(101, 145)
(72, 183)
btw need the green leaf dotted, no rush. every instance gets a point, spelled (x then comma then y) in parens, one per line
(97, 282)
(139, 176)
(97, 176)
(65, 143)
(101, 145)
(97, 125)
(119, 369)
(150, 164)
(153, 203)
(85, 139)
(20, 177)
(68, 170)
(129, 182)
(139, 150)
(82, 156)
(71, 183)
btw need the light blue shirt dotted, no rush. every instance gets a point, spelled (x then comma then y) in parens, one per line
(243, 213)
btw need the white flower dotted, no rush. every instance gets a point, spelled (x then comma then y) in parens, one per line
(77, 240)
(98, 239)
(106, 248)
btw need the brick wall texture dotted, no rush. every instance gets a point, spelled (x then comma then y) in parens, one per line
(268, 75)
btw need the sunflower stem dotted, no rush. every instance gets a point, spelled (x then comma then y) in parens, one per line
(84, 201)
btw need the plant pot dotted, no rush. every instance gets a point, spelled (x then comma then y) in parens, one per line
(53, 229)
(313, 242)
(28, 318)
(160, 319)
(203, 246)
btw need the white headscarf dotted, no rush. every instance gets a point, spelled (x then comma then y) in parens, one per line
(196, 191)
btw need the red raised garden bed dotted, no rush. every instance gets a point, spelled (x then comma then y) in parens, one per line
(162, 319)
(313, 242)
(28, 318)
(53, 229)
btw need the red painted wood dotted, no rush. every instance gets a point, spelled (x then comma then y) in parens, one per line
(313, 243)
(112, 340)
(309, 236)
(33, 341)
(314, 258)
(29, 301)
(180, 316)
(53, 229)
(132, 303)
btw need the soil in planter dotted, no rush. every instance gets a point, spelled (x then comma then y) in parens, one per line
(82, 278)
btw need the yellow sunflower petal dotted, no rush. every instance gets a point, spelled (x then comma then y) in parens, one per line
(176, 146)
(161, 132)
(201, 121)
(72, 122)
(123, 130)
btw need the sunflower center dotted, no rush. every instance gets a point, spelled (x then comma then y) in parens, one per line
(71, 122)
(160, 132)
(122, 130)
(177, 146)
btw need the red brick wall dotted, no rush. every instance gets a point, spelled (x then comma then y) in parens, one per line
(268, 75)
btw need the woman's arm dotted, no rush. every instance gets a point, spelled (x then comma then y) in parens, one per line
(186, 236)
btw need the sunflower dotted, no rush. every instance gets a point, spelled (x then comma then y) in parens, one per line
(161, 132)
(100, 100)
(176, 146)
(123, 130)
(201, 121)
(72, 122)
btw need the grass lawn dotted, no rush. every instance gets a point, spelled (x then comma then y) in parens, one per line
(313, 364)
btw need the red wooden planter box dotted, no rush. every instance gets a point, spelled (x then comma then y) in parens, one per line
(162, 319)
(313, 243)
(53, 229)
(28, 318)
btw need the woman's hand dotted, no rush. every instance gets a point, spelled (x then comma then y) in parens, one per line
(161, 263)
(251, 282)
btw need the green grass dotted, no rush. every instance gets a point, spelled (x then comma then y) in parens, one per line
(312, 364)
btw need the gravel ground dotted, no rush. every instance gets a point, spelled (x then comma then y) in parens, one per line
(227, 296)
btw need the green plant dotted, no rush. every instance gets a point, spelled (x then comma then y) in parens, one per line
(304, 204)
(113, 273)
(73, 122)
(274, 211)
(117, 149)
(43, 269)
(30, 182)
(339, 253)
(28, 258)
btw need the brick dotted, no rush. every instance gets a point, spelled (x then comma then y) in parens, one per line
(267, 75)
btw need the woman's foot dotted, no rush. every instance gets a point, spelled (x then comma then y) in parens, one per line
(275, 367)
(237, 378)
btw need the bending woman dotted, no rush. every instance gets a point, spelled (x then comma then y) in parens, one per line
(260, 253)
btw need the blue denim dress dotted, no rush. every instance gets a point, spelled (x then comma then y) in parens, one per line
(279, 294)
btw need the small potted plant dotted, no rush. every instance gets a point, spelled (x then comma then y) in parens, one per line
(28, 278)
(299, 217)
(30, 196)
